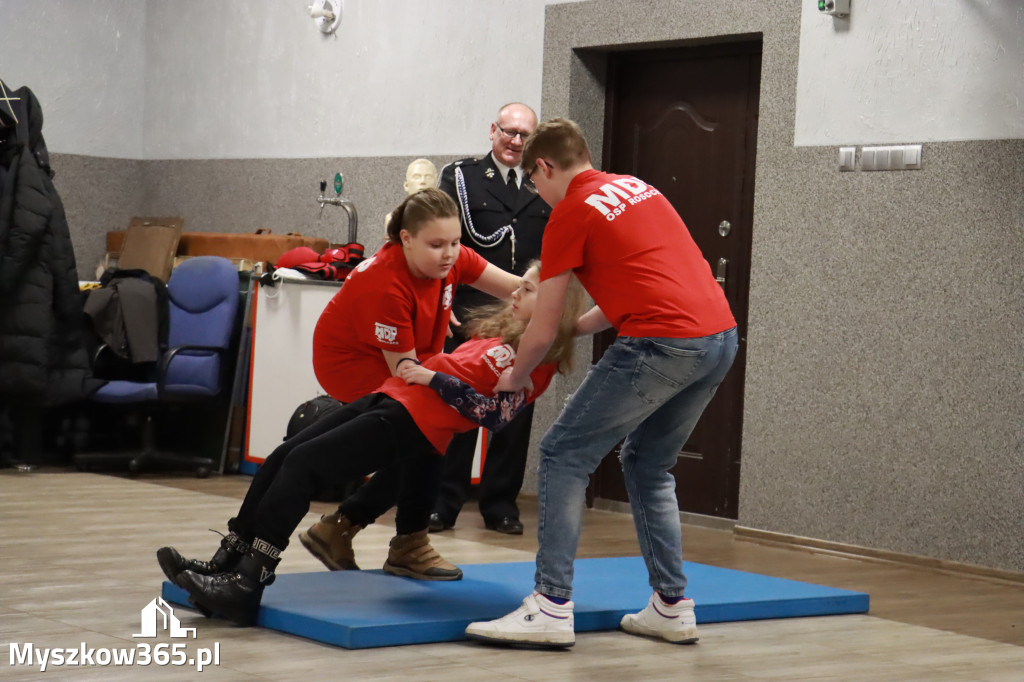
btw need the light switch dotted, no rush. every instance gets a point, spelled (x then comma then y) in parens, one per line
(912, 157)
(895, 158)
(868, 159)
(891, 157)
(847, 158)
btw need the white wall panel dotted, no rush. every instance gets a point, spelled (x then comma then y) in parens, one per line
(911, 71)
(85, 62)
(258, 80)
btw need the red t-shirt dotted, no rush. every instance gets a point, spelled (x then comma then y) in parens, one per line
(382, 306)
(477, 362)
(635, 257)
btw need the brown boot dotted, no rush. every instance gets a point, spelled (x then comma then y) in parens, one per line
(330, 541)
(413, 557)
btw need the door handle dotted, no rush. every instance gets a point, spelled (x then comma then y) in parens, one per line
(720, 273)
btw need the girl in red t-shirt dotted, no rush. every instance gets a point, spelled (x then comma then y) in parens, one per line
(405, 424)
(396, 305)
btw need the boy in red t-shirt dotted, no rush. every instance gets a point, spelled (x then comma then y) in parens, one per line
(677, 340)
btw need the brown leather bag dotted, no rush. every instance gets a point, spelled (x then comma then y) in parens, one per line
(263, 245)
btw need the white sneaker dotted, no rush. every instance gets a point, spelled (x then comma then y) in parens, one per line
(672, 622)
(538, 622)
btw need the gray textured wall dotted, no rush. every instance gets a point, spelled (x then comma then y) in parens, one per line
(228, 196)
(99, 194)
(884, 389)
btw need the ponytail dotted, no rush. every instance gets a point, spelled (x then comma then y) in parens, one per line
(395, 223)
(417, 209)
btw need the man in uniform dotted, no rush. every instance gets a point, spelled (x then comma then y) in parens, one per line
(504, 222)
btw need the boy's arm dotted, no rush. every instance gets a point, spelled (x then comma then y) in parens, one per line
(491, 413)
(540, 333)
(592, 322)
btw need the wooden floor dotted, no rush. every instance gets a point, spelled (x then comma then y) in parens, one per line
(77, 565)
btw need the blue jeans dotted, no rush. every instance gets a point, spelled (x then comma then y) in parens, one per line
(650, 391)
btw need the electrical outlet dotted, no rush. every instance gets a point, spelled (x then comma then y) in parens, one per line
(847, 158)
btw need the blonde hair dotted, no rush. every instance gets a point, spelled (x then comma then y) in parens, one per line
(417, 209)
(558, 141)
(498, 321)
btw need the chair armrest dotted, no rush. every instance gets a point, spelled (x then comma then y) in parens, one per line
(103, 360)
(170, 354)
(108, 365)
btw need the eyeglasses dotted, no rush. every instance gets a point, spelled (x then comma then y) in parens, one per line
(528, 183)
(513, 134)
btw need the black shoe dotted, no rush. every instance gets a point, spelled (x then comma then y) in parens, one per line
(235, 595)
(173, 564)
(231, 595)
(437, 524)
(507, 525)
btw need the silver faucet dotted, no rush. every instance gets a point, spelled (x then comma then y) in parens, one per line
(350, 210)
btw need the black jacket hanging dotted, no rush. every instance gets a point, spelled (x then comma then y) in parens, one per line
(43, 357)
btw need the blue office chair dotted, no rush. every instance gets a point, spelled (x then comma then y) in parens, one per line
(202, 308)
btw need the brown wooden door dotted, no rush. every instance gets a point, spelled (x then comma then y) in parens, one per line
(685, 121)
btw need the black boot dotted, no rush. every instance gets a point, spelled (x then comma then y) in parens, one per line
(235, 595)
(232, 548)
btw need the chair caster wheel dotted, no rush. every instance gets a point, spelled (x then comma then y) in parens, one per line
(202, 472)
(134, 466)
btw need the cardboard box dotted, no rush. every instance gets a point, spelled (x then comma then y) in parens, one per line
(150, 244)
(261, 246)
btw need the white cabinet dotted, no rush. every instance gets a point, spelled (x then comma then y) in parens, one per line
(281, 374)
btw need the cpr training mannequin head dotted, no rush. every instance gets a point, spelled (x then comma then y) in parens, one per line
(420, 175)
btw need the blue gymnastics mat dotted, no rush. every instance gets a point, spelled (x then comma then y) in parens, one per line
(363, 609)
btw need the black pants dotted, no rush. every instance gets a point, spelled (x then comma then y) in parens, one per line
(501, 479)
(371, 434)
(380, 494)
(502, 475)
